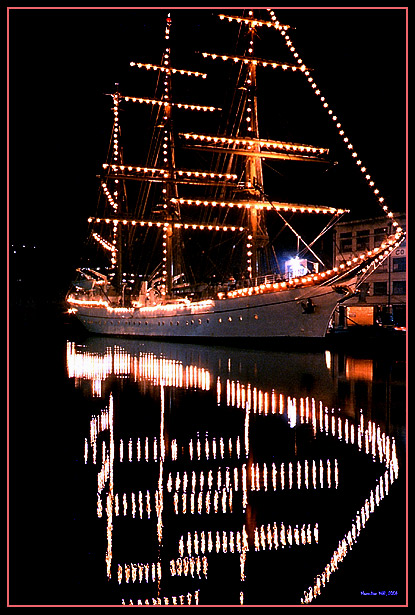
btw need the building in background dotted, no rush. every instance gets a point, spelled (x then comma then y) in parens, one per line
(383, 293)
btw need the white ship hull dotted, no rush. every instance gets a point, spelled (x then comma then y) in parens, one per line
(269, 315)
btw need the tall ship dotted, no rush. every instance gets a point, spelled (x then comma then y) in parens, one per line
(186, 241)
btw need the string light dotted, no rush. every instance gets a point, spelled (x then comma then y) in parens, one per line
(109, 196)
(254, 22)
(104, 243)
(183, 225)
(334, 118)
(169, 70)
(159, 173)
(298, 148)
(254, 61)
(161, 103)
(262, 205)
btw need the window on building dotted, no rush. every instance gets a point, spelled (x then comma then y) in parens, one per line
(399, 287)
(399, 264)
(362, 239)
(380, 288)
(345, 242)
(379, 235)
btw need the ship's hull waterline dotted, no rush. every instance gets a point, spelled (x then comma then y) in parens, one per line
(293, 313)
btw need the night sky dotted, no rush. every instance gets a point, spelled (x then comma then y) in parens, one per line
(63, 61)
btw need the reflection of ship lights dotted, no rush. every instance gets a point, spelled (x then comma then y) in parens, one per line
(225, 489)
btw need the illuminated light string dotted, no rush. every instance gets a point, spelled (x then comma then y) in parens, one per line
(254, 22)
(169, 70)
(189, 566)
(371, 256)
(138, 572)
(165, 173)
(339, 126)
(267, 144)
(116, 99)
(182, 599)
(108, 194)
(319, 474)
(104, 243)
(164, 103)
(254, 61)
(184, 225)
(267, 538)
(210, 542)
(117, 167)
(349, 539)
(261, 205)
(203, 174)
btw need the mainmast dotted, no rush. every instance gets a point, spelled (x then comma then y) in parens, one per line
(257, 238)
(170, 234)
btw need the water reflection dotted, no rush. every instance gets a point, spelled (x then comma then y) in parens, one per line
(231, 454)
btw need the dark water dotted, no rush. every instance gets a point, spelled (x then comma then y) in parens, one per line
(144, 472)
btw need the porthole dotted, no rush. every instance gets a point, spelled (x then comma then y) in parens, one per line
(219, 319)
(230, 318)
(240, 318)
(207, 320)
(200, 321)
(256, 316)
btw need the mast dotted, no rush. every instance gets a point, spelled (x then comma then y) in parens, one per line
(170, 235)
(257, 235)
(118, 238)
